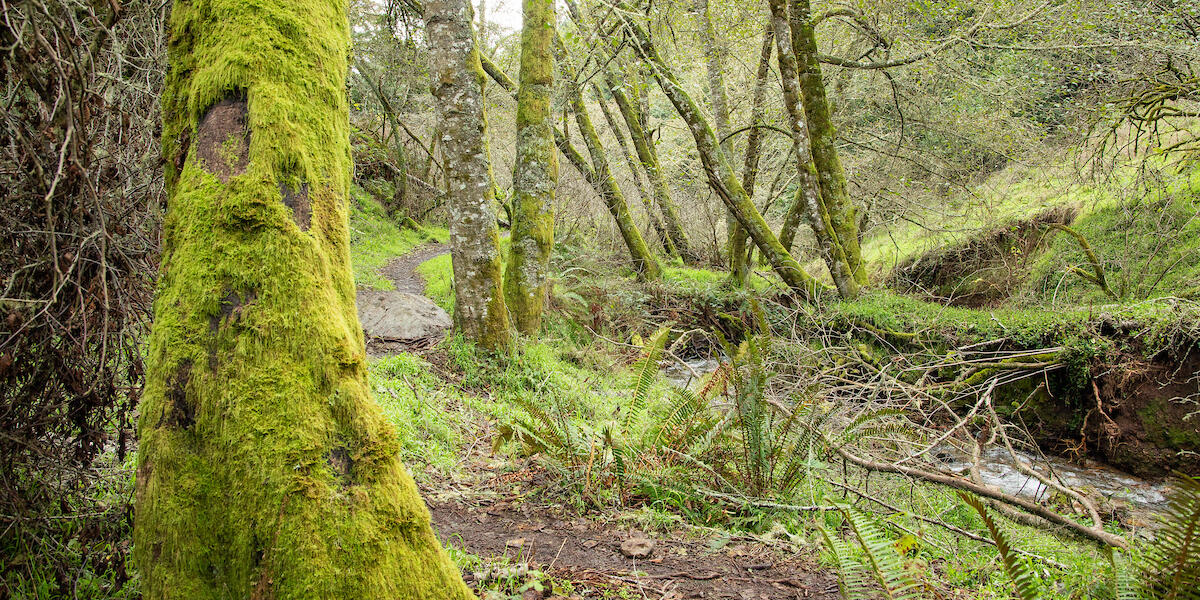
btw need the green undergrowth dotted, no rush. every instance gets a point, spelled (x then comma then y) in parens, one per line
(375, 239)
(1143, 224)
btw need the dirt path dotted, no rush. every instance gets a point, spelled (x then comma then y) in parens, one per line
(402, 271)
(496, 517)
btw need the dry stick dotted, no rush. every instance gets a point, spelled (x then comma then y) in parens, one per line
(960, 531)
(1022, 467)
(1095, 534)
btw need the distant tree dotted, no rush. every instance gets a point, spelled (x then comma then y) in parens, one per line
(265, 470)
(454, 64)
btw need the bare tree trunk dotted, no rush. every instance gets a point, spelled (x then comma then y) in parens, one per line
(479, 310)
(265, 470)
(822, 137)
(808, 200)
(720, 108)
(535, 174)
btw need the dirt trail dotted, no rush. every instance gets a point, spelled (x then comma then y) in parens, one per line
(495, 516)
(402, 271)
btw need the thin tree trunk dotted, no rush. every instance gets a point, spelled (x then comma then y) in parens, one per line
(644, 263)
(479, 310)
(754, 147)
(822, 137)
(808, 199)
(655, 222)
(735, 238)
(535, 173)
(400, 199)
(265, 470)
(648, 157)
(719, 171)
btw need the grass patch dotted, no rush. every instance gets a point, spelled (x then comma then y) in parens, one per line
(375, 239)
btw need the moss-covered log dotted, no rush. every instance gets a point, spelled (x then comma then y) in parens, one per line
(265, 470)
(535, 173)
(479, 309)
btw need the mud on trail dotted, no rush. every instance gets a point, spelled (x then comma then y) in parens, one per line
(504, 518)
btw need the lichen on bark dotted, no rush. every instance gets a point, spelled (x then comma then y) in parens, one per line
(535, 172)
(457, 79)
(265, 469)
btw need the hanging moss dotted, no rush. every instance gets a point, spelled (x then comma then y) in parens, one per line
(265, 468)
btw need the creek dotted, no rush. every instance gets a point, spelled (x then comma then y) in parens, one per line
(996, 468)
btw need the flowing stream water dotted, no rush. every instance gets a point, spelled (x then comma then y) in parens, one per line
(996, 465)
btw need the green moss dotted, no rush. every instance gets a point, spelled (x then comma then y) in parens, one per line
(265, 468)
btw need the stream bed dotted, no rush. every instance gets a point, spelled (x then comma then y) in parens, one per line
(997, 469)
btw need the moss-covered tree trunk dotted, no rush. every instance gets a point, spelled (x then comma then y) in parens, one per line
(636, 173)
(535, 172)
(479, 309)
(719, 170)
(822, 136)
(808, 200)
(265, 470)
(754, 147)
(644, 263)
(648, 157)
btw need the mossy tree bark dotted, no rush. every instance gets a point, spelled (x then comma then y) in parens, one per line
(265, 470)
(644, 263)
(636, 173)
(535, 173)
(718, 168)
(808, 200)
(822, 137)
(753, 148)
(648, 157)
(479, 309)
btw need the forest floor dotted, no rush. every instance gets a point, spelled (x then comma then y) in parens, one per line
(521, 544)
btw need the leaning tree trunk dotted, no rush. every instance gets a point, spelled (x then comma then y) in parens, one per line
(754, 146)
(479, 310)
(822, 137)
(644, 263)
(809, 200)
(265, 469)
(718, 169)
(535, 173)
(655, 222)
(648, 157)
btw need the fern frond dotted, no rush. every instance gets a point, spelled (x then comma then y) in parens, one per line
(1125, 581)
(1017, 569)
(1173, 561)
(882, 557)
(854, 580)
(647, 372)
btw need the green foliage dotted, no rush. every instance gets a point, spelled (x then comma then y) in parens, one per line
(881, 562)
(1018, 570)
(1172, 563)
(427, 411)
